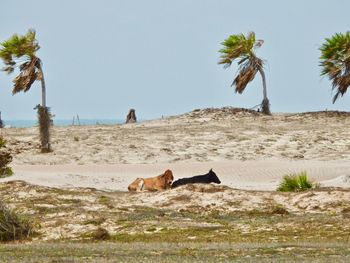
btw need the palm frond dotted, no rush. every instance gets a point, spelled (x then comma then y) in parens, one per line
(19, 46)
(335, 62)
(19, 51)
(28, 74)
(241, 47)
(248, 70)
(236, 46)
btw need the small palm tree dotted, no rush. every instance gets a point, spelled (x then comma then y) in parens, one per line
(243, 48)
(20, 51)
(335, 62)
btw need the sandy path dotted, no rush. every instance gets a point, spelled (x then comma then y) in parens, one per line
(253, 175)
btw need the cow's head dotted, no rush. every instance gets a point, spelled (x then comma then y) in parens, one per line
(213, 177)
(169, 178)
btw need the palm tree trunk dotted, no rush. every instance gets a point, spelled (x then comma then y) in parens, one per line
(265, 105)
(43, 88)
(44, 116)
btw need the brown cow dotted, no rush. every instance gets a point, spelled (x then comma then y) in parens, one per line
(158, 183)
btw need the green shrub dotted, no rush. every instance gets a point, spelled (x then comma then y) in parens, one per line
(12, 225)
(5, 172)
(295, 183)
(5, 159)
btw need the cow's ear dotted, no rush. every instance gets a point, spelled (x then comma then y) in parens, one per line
(211, 170)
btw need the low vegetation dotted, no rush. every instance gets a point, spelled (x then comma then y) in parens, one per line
(5, 159)
(295, 183)
(87, 225)
(103, 252)
(13, 226)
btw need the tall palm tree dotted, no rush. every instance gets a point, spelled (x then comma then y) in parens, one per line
(20, 51)
(242, 48)
(335, 62)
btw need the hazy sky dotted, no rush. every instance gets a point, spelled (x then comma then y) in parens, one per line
(103, 57)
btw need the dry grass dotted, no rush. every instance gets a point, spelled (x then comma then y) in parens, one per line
(13, 226)
(175, 252)
(179, 215)
(196, 232)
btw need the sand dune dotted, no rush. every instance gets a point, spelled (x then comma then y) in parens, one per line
(246, 149)
(249, 152)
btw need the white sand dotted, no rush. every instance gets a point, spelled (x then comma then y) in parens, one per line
(252, 175)
(246, 151)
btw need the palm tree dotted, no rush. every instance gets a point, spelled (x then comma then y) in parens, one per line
(335, 62)
(243, 48)
(20, 51)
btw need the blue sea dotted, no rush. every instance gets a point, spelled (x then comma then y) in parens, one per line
(33, 123)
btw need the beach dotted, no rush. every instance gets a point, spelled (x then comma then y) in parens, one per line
(87, 175)
(116, 144)
(246, 149)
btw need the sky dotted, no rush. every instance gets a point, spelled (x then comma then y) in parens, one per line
(103, 57)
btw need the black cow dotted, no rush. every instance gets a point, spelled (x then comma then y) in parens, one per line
(208, 178)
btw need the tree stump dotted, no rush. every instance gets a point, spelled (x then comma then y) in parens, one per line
(131, 117)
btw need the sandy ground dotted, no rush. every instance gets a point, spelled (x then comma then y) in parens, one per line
(249, 175)
(246, 150)
(71, 213)
(249, 152)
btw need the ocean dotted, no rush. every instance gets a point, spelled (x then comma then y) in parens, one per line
(33, 123)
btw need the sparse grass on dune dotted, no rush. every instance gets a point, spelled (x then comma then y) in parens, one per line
(124, 217)
(160, 233)
(12, 225)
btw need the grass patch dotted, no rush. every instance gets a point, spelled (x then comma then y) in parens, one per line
(196, 234)
(174, 252)
(12, 225)
(105, 200)
(295, 183)
(5, 172)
